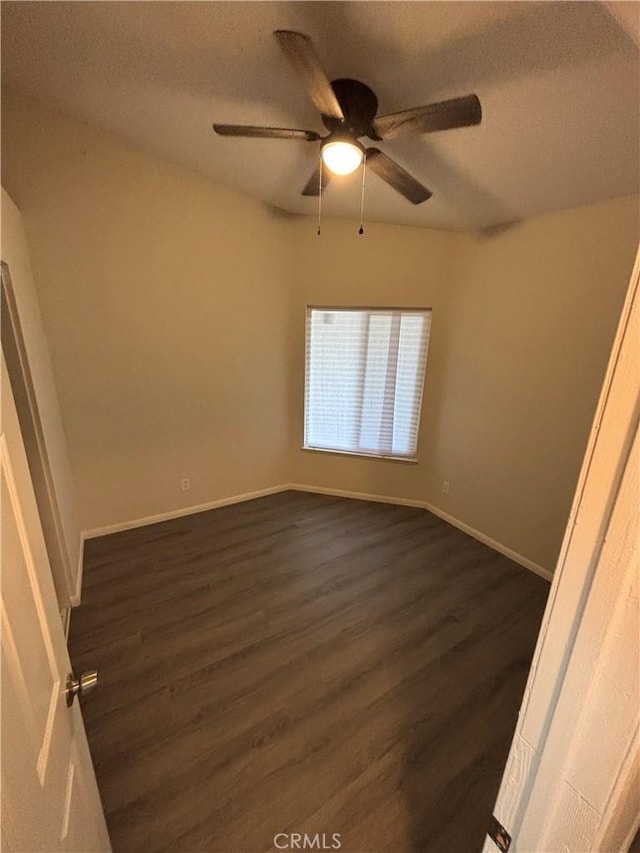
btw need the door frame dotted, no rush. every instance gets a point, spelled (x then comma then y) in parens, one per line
(549, 742)
(17, 361)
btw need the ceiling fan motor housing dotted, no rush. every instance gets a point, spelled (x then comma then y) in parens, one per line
(360, 107)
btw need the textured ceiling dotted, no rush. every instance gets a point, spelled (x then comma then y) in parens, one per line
(558, 81)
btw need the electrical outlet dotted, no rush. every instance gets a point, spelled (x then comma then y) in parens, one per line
(445, 487)
(185, 484)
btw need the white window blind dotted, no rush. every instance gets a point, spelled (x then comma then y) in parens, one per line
(364, 379)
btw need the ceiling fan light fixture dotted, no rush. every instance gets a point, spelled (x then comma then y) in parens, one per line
(342, 156)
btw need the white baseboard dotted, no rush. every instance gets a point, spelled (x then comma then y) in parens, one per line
(75, 598)
(360, 496)
(179, 513)
(487, 540)
(450, 519)
(65, 615)
(303, 487)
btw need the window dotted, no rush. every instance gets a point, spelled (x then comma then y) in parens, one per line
(364, 379)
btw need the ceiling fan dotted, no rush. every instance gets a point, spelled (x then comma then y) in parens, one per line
(349, 111)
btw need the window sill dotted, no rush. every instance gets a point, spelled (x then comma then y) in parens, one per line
(403, 459)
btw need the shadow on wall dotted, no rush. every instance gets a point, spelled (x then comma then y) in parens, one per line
(279, 213)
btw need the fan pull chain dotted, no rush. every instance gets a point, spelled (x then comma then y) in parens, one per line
(320, 193)
(364, 171)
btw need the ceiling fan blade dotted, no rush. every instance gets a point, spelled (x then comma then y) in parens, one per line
(396, 176)
(265, 132)
(457, 112)
(301, 53)
(312, 187)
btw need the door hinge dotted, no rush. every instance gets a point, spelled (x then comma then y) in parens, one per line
(499, 834)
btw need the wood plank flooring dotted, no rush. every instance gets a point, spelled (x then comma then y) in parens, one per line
(302, 663)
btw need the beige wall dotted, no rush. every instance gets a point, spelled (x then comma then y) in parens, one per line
(15, 253)
(521, 330)
(143, 269)
(163, 299)
(534, 319)
(389, 265)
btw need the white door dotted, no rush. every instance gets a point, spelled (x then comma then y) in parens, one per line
(50, 799)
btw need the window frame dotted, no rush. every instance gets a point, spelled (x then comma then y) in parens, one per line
(411, 460)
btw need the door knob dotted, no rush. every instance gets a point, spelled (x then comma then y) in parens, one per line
(83, 685)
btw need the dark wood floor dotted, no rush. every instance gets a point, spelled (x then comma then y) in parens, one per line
(302, 663)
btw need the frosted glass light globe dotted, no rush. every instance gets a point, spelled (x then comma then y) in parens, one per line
(342, 157)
